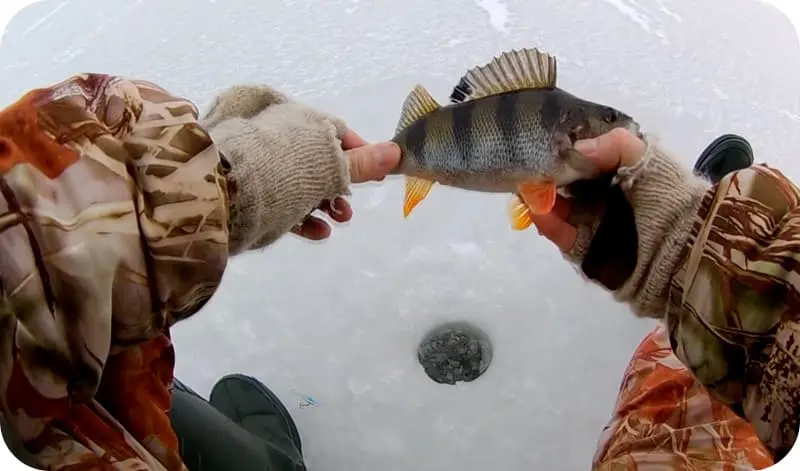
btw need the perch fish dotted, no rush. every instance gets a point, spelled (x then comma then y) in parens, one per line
(507, 129)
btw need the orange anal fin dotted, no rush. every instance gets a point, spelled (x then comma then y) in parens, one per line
(519, 214)
(540, 197)
(416, 191)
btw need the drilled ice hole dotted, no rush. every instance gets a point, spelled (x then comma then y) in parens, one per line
(455, 351)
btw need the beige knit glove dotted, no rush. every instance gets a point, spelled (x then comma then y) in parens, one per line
(631, 235)
(286, 158)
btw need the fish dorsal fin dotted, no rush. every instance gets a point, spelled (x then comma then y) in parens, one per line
(513, 70)
(419, 103)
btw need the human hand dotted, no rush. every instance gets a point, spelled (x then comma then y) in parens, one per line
(615, 149)
(596, 227)
(366, 162)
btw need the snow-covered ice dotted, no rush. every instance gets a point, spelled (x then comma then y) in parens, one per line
(340, 321)
(498, 13)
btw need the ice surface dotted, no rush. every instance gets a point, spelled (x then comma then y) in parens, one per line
(632, 10)
(340, 321)
(498, 13)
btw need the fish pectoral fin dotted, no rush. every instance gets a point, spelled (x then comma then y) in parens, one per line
(416, 191)
(519, 214)
(511, 71)
(418, 103)
(539, 196)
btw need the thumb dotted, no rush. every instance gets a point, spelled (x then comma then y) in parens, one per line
(372, 161)
(616, 148)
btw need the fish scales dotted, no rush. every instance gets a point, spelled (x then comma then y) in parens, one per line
(462, 132)
(502, 133)
(508, 128)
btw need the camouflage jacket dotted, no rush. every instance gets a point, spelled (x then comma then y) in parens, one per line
(717, 385)
(114, 225)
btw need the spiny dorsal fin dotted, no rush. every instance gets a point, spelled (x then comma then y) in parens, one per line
(418, 103)
(513, 70)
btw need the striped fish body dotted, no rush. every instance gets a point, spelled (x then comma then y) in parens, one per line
(494, 143)
(507, 128)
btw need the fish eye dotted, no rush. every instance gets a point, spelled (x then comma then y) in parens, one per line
(610, 116)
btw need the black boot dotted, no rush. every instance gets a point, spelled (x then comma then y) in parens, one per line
(244, 426)
(726, 154)
(249, 403)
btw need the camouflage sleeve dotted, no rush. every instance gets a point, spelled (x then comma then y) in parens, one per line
(113, 225)
(734, 311)
(665, 419)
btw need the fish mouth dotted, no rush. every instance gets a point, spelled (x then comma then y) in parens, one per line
(634, 129)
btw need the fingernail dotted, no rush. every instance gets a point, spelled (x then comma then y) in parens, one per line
(388, 154)
(336, 206)
(587, 147)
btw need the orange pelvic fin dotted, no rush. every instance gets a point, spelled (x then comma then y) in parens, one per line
(416, 191)
(519, 214)
(539, 196)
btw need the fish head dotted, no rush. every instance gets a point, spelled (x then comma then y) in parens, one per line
(585, 120)
(588, 120)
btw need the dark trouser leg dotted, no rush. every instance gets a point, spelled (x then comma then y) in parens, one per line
(245, 428)
(255, 432)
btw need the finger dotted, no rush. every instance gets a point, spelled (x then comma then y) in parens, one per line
(313, 228)
(351, 140)
(556, 230)
(372, 161)
(554, 226)
(339, 209)
(563, 207)
(616, 148)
